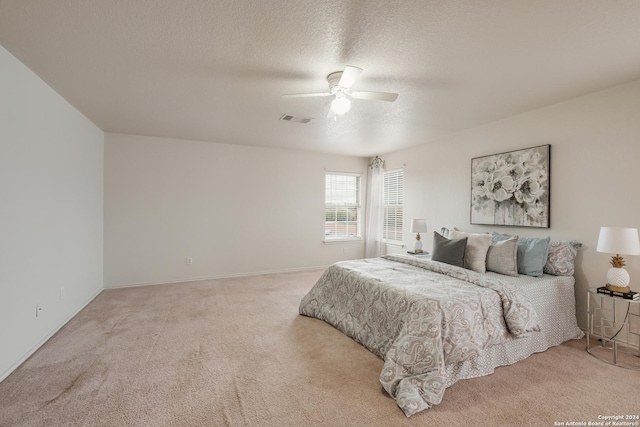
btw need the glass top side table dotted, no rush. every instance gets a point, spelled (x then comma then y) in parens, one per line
(615, 321)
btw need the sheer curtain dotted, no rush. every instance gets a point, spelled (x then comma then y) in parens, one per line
(373, 220)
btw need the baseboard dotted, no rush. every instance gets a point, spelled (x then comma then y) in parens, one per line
(227, 276)
(28, 354)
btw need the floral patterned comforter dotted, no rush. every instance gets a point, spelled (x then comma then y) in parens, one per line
(418, 316)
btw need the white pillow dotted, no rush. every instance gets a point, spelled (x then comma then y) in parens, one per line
(475, 257)
(444, 231)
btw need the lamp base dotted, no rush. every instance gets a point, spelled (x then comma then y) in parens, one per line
(618, 288)
(418, 245)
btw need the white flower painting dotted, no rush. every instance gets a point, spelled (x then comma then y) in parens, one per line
(511, 188)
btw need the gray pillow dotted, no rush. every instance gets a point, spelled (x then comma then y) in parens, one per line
(448, 251)
(502, 256)
(532, 253)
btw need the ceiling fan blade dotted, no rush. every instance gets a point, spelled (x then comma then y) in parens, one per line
(349, 76)
(305, 95)
(375, 96)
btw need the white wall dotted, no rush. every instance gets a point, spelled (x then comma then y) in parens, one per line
(234, 209)
(51, 219)
(595, 171)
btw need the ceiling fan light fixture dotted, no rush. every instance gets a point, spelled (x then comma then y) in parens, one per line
(341, 105)
(340, 83)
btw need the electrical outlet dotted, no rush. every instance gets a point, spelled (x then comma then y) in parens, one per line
(189, 261)
(38, 310)
(345, 249)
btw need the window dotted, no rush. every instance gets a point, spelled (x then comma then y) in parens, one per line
(393, 195)
(342, 206)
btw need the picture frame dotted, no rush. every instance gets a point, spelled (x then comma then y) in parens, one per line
(512, 188)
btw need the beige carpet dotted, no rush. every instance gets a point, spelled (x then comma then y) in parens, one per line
(235, 352)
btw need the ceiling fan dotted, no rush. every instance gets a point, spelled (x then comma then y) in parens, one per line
(340, 83)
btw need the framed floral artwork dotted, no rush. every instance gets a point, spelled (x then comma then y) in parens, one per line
(512, 188)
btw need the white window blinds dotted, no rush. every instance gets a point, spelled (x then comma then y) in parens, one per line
(342, 206)
(393, 195)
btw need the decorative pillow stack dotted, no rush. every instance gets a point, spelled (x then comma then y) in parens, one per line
(505, 254)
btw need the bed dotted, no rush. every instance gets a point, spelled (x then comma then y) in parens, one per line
(434, 324)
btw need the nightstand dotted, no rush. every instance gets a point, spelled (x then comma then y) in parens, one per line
(609, 319)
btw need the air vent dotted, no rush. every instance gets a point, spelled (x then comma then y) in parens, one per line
(297, 119)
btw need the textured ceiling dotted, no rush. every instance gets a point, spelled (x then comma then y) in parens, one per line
(215, 70)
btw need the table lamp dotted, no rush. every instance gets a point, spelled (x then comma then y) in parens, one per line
(618, 240)
(417, 226)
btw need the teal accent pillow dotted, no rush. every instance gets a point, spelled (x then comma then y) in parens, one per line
(448, 251)
(532, 253)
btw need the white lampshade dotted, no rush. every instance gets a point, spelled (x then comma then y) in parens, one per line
(341, 105)
(418, 225)
(618, 240)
